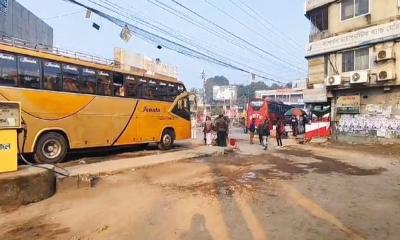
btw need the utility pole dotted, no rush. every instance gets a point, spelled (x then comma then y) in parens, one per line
(203, 76)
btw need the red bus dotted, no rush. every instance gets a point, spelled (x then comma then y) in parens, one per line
(261, 109)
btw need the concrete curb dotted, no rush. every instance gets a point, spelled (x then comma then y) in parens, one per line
(87, 178)
(27, 185)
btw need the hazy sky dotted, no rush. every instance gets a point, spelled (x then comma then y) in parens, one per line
(284, 17)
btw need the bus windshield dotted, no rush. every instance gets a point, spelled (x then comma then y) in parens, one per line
(256, 105)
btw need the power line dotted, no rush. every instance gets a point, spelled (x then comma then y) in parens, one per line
(174, 46)
(240, 38)
(195, 22)
(260, 17)
(64, 15)
(284, 50)
(186, 40)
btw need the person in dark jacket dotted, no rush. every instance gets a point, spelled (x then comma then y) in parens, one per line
(252, 130)
(221, 127)
(260, 135)
(294, 122)
(280, 130)
(265, 132)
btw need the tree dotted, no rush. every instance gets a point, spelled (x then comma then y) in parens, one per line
(214, 81)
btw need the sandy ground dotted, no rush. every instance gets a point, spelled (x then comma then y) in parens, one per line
(298, 192)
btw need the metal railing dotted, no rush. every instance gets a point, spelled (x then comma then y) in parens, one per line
(156, 68)
(15, 42)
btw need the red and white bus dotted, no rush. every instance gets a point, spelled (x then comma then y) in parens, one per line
(261, 109)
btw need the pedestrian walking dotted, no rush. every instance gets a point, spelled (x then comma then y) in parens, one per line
(228, 122)
(221, 128)
(265, 132)
(208, 128)
(294, 123)
(194, 128)
(252, 130)
(260, 135)
(279, 132)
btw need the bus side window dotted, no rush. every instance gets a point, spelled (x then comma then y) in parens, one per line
(88, 81)
(29, 72)
(70, 78)
(51, 75)
(132, 87)
(172, 92)
(104, 83)
(163, 92)
(150, 90)
(118, 82)
(8, 70)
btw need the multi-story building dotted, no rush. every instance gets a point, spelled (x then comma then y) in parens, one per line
(354, 65)
(18, 22)
(289, 96)
(292, 97)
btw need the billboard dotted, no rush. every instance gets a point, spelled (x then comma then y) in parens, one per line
(224, 93)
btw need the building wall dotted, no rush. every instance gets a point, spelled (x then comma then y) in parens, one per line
(380, 11)
(22, 24)
(379, 116)
(378, 120)
(335, 65)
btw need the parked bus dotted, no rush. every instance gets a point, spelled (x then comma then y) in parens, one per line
(69, 103)
(261, 109)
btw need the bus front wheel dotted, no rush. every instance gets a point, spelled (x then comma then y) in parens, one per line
(167, 140)
(51, 148)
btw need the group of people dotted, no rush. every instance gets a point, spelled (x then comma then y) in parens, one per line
(298, 124)
(264, 131)
(220, 126)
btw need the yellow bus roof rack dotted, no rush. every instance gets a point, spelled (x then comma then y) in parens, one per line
(15, 42)
(85, 57)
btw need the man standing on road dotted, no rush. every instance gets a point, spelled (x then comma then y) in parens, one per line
(260, 134)
(222, 128)
(265, 132)
(252, 130)
(208, 127)
(294, 124)
(280, 128)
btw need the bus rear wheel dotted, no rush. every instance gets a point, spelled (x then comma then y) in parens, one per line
(167, 140)
(51, 148)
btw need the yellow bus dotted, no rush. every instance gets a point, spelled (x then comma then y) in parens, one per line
(69, 103)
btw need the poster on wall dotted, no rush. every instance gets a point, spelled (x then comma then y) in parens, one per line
(348, 104)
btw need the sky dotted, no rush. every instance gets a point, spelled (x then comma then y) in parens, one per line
(275, 34)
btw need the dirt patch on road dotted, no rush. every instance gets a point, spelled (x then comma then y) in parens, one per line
(331, 165)
(229, 174)
(370, 149)
(34, 228)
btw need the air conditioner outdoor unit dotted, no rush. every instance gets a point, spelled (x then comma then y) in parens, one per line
(384, 54)
(334, 80)
(386, 75)
(359, 77)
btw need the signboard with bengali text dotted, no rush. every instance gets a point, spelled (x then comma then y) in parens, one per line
(370, 35)
(348, 104)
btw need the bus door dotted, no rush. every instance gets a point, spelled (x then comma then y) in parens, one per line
(180, 110)
(181, 107)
